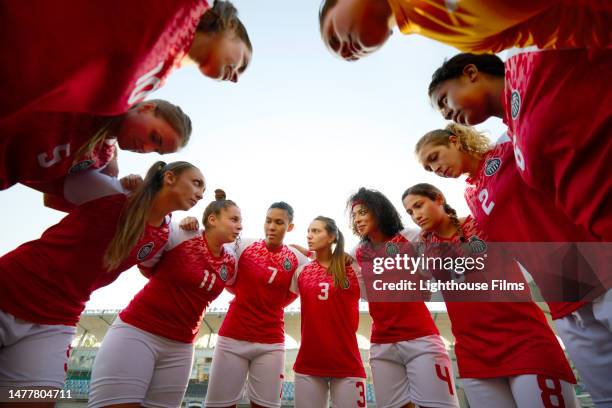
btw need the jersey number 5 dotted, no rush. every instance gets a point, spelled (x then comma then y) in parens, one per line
(45, 161)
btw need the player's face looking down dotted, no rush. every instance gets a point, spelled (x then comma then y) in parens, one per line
(353, 29)
(143, 131)
(464, 99)
(276, 226)
(425, 212)
(227, 224)
(185, 190)
(445, 161)
(318, 238)
(222, 56)
(364, 220)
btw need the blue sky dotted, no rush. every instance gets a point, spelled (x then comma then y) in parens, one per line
(301, 126)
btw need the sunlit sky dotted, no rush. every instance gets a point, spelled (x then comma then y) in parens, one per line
(300, 126)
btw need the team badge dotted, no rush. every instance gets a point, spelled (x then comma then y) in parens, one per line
(515, 104)
(346, 284)
(391, 249)
(477, 245)
(144, 251)
(223, 273)
(81, 166)
(287, 264)
(492, 165)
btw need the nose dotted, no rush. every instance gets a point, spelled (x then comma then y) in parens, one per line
(447, 113)
(346, 53)
(200, 194)
(234, 77)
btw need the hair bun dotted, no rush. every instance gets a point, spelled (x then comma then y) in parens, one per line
(220, 194)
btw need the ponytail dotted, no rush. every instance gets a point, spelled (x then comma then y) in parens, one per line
(133, 218)
(337, 266)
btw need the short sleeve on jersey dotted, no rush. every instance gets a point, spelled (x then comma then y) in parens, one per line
(90, 185)
(294, 280)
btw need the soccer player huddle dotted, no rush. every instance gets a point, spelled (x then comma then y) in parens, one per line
(546, 180)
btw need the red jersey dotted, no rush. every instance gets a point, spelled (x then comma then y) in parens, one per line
(49, 280)
(182, 285)
(329, 323)
(487, 26)
(499, 339)
(558, 108)
(393, 322)
(508, 210)
(39, 148)
(93, 57)
(262, 291)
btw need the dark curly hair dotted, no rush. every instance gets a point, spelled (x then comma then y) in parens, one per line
(386, 215)
(453, 68)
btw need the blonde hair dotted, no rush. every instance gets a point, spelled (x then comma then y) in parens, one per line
(171, 113)
(471, 141)
(133, 217)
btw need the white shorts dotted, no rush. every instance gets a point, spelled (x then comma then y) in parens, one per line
(587, 336)
(417, 370)
(33, 354)
(314, 392)
(233, 360)
(135, 366)
(522, 391)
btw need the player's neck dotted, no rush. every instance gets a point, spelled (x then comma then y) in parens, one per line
(376, 237)
(472, 165)
(215, 245)
(157, 212)
(324, 257)
(496, 95)
(446, 229)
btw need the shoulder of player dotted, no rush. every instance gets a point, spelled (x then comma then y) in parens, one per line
(178, 235)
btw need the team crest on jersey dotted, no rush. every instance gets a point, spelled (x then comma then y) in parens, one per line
(477, 245)
(81, 166)
(287, 264)
(391, 249)
(223, 273)
(492, 165)
(515, 104)
(144, 251)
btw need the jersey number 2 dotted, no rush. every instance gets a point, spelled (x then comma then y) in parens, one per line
(483, 197)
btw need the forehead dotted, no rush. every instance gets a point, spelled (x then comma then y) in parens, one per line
(317, 224)
(277, 214)
(232, 211)
(411, 199)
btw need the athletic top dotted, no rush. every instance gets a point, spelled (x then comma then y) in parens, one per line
(508, 210)
(393, 322)
(49, 280)
(498, 339)
(40, 147)
(262, 291)
(329, 319)
(183, 282)
(558, 108)
(483, 26)
(94, 57)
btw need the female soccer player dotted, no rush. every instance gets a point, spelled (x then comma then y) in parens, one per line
(506, 354)
(166, 315)
(561, 142)
(507, 210)
(103, 58)
(408, 358)
(354, 28)
(45, 283)
(251, 340)
(328, 361)
(44, 147)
